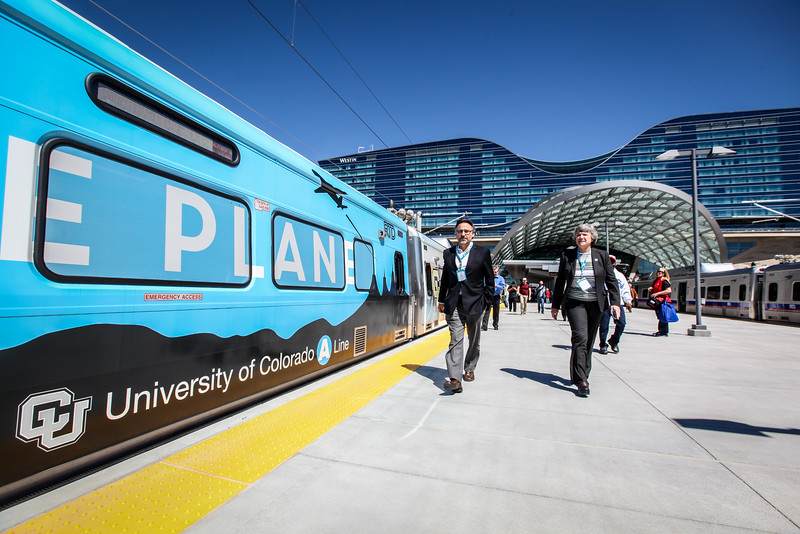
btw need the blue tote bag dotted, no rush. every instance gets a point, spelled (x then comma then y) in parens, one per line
(668, 313)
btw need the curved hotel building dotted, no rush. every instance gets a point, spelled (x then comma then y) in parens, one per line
(495, 187)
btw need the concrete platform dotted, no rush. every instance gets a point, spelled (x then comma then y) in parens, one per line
(680, 434)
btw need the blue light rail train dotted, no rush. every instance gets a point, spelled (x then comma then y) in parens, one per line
(163, 261)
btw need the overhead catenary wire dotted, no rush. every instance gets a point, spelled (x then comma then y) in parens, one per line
(378, 100)
(228, 93)
(140, 34)
(321, 77)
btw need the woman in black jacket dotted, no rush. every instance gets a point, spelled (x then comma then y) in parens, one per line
(584, 285)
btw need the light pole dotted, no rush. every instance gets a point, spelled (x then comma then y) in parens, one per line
(697, 329)
(606, 223)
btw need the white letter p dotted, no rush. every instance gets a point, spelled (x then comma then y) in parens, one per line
(174, 240)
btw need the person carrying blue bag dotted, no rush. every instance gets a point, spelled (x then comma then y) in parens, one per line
(668, 313)
(660, 291)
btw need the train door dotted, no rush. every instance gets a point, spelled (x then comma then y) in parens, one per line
(758, 298)
(430, 298)
(746, 303)
(399, 273)
(682, 297)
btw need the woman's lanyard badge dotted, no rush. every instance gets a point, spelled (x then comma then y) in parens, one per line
(583, 282)
(461, 272)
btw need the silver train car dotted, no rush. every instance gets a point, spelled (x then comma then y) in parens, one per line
(735, 293)
(781, 299)
(754, 294)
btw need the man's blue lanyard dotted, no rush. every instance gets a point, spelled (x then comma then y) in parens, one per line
(460, 257)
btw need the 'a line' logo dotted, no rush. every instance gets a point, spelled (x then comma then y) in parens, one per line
(42, 418)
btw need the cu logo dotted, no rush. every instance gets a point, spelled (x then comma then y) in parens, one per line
(43, 416)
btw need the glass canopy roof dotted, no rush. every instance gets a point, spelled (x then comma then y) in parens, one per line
(645, 219)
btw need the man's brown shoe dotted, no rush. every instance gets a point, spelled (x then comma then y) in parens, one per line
(453, 385)
(469, 376)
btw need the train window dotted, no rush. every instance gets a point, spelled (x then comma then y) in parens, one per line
(726, 292)
(132, 106)
(103, 219)
(306, 255)
(772, 292)
(795, 291)
(743, 292)
(363, 264)
(429, 278)
(398, 275)
(702, 292)
(712, 292)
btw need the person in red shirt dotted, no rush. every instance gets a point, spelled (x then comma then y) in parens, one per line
(661, 290)
(524, 295)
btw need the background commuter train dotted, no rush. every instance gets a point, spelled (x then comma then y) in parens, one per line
(757, 294)
(162, 260)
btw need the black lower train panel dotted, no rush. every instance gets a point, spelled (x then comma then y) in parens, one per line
(71, 395)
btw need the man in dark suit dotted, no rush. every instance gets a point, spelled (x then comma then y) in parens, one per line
(467, 284)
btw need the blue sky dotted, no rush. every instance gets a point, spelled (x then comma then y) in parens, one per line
(559, 80)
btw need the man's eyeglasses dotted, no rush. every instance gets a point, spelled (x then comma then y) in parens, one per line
(463, 231)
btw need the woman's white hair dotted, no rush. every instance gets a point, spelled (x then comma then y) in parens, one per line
(585, 227)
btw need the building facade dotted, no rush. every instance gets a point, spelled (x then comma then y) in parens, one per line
(495, 187)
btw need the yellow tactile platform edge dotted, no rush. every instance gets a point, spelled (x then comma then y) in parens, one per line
(170, 495)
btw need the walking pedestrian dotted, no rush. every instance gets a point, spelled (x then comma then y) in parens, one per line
(619, 322)
(494, 306)
(540, 294)
(585, 278)
(467, 282)
(513, 297)
(524, 295)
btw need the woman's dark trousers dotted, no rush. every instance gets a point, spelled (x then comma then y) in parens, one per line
(663, 328)
(584, 320)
